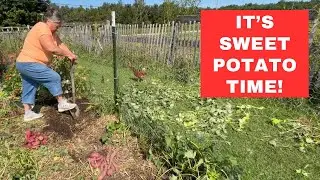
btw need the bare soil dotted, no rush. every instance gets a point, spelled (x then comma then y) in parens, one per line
(80, 137)
(63, 124)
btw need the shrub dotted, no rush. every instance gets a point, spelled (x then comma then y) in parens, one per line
(82, 85)
(12, 83)
(4, 104)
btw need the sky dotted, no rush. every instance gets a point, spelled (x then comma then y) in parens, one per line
(204, 3)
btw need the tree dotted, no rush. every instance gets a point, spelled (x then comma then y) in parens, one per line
(21, 12)
(27, 12)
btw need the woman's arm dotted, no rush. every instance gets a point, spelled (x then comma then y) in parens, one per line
(47, 43)
(62, 45)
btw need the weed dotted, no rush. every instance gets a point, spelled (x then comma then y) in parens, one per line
(17, 163)
(111, 128)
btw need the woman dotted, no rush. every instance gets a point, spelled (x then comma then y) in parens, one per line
(40, 45)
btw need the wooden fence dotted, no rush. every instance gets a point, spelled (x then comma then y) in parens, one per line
(168, 43)
(160, 42)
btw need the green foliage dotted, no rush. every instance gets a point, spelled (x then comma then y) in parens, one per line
(4, 104)
(302, 173)
(11, 43)
(128, 13)
(178, 126)
(17, 163)
(17, 13)
(182, 71)
(162, 13)
(8, 93)
(12, 83)
(110, 130)
(314, 88)
(22, 12)
(285, 5)
(82, 84)
(304, 131)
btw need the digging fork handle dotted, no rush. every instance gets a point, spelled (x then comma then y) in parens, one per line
(72, 82)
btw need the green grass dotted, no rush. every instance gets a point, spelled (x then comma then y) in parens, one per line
(251, 147)
(102, 73)
(262, 160)
(101, 78)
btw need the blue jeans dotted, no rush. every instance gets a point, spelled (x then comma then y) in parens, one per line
(34, 74)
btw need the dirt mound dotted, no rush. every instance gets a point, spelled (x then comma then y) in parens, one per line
(79, 138)
(62, 124)
(129, 160)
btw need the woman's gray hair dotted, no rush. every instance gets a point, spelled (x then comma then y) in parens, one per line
(52, 14)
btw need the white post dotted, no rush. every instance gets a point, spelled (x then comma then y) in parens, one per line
(113, 20)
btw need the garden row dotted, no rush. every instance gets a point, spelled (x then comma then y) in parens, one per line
(179, 129)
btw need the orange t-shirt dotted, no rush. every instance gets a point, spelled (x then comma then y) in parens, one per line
(32, 50)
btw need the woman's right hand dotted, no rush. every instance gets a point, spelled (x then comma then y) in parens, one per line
(72, 57)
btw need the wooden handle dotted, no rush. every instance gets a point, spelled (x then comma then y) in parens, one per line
(72, 83)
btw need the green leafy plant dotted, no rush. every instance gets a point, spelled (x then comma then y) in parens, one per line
(303, 130)
(12, 83)
(110, 130)
(302, 172)
(182, 71)
(82, 84)
(21, 162)
(4, 104)
(178, 129)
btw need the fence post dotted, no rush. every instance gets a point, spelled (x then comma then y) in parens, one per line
(115, 67)
(313, 74)
(173, 43)
(313, 30)
(196, 44)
